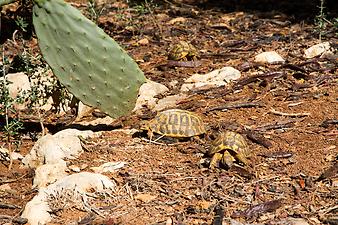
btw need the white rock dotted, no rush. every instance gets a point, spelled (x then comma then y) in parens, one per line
(109, 167)
(169, 102)
(146, 94)
(74, 132)
(49, 173)
(74, 168)
(269, 57)
(37, 210)
(45, 150)
(83, 111)
(70, 143)
(317, 50)
(216, 78)
(51, 149)
(18, 82)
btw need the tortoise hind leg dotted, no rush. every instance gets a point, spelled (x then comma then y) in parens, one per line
(222, 159)
(227, 159)
(215, 160)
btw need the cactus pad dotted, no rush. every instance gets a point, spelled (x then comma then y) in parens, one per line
(91, 65)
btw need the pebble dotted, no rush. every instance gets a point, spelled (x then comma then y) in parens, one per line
(317, 50)
(269, 57)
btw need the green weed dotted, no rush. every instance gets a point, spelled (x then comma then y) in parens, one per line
(94, 10)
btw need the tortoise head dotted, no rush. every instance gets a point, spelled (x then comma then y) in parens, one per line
(146, 126)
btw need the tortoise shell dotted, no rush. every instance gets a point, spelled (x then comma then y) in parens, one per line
(183, 51)
(176, 123)
(227, 148)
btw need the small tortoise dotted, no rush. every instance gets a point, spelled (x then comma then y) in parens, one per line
(175, 123)
(183, 51)
(229, 147)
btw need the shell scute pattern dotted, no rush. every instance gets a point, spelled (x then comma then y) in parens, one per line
(176, 123)
(228, 148)
(183, 51)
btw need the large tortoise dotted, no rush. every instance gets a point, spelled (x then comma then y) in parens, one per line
(175, 123)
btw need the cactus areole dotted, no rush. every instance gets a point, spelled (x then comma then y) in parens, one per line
(90, 64)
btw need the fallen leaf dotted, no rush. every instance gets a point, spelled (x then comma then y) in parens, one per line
(301, 183)
(145, 197)
(223, 26)
(204, 204)
(143, 41)
(177, 20)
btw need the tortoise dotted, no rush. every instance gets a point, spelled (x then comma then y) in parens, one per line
(227, 148)
(175, 123)
(183, 51)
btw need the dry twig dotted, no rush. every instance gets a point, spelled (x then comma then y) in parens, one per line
(278, 125)
(235, 106)
(289, 114)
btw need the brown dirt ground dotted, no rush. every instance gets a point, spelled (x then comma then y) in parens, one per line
(183, 188)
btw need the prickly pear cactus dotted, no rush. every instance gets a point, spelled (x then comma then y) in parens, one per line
(86, 60)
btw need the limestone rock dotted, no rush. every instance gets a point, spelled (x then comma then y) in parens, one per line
(317, 50)
(51, 149)
(147, 94)
(216, 78)
(18, 82)
(37, 211)
(169, 102)
(269, 57)
(48, 174)
(108, 167)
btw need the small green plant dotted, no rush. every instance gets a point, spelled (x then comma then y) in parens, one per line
(21, 23)
(12, 126)
(144, 7)
(94, 10)
(320, 20)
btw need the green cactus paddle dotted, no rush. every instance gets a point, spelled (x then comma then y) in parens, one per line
(91, 65)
